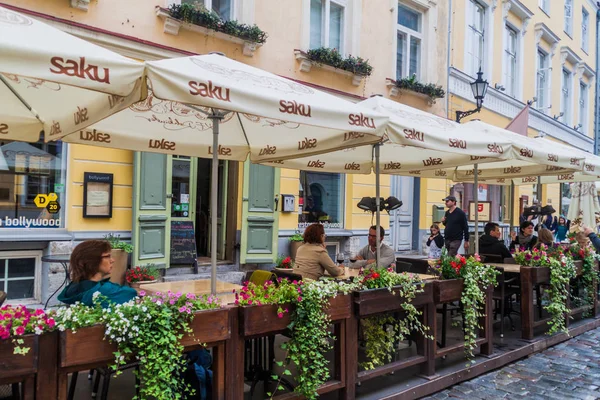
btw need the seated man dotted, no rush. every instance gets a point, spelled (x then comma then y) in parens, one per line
(490, 242)
(366, 256)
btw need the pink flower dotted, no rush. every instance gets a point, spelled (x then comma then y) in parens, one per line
(38, 312)
(280, 315)
(50, 322)
(178, 294)
(19, 330)
(299, 299)
(182, 309)
(172, 301)
(142, 293)
(249, 302)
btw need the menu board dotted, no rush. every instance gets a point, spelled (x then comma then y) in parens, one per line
(183, 243)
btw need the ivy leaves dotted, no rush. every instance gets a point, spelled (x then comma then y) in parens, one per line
(561, 272)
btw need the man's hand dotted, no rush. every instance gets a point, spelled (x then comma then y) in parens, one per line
(587, 231)
(466, 245)
(359, 258)
(371, 261)
(444, 220)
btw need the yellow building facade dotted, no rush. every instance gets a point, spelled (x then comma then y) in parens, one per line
(538, 51)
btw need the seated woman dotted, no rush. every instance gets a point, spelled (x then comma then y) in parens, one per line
(544, 237)
(525, 240)
(90, 267)
(312, 259)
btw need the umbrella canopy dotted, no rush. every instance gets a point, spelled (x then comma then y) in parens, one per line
(584, 207)
(53, 82)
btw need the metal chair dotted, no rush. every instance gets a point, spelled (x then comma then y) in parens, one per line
(492, 258)
(504, 291)
(288, 275)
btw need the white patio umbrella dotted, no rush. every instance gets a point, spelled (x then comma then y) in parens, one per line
(584, 206)
(53, 82)
(248, 111)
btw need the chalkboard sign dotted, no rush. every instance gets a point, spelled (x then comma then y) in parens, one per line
(183, 242)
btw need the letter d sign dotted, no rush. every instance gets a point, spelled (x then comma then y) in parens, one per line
(41, 200)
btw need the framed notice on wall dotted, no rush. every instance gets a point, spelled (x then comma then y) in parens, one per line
(97, 195)
(484, 211)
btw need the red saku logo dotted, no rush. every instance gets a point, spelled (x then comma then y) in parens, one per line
(552, 157)
(512, 170)
(4, 129)
(361, 120)
(471, 172)
(79, 69)
(475, 158)
(55, 129)
(501, 180)
(566, 177)
(440, 172)
(575, 161)
(80, 116)
(392, 166)
(94, 136)
(316, 164)
(415, 172)
(276, 162)
(590, 168)
(457, 143)
(222, 151)
(553, 168)
(162, 144)
(525, 152)
(432, 161)
(307, 144)
(494, 148)
(529, 179)
(352, 167)
(413, 134)
(292, 107)
(209, 90)
(268, 150)
(353, 135)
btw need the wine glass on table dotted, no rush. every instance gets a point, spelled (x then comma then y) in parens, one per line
(340, 259)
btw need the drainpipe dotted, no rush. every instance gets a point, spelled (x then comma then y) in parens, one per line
(596, 102)
(448, 57)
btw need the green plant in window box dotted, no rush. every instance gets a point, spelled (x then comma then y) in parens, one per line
(297, 237)
(429, 89)
(197, 14)
(332, 57)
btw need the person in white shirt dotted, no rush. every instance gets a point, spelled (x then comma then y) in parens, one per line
(367, 255)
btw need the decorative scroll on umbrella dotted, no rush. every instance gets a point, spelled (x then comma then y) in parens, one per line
(584, 209)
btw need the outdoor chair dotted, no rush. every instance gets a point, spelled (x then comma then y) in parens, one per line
(105, 373)
(492, 258)
(503, 292)
(402, 266)
(289, 275)
(418, 266)
(2, 297)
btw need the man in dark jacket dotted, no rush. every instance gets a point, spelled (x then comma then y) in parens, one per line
(490, 242)
(589, 232)
(456, 225)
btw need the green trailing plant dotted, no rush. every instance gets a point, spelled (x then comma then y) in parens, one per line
(297, 237)
(476, 278)
(332, 57)
(310, 339)
(429, 89)
(197, 14)
(587, 256)
(562, 270)
(381, 332)
(149, 329)
(117, 244)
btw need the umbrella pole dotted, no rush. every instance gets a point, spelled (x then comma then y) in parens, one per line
(512, 206)
(216, 118)
(476, 173)
(378, 205)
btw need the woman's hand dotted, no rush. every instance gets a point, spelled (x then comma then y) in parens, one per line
(513, 235)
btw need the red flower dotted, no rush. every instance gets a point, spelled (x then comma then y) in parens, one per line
(375, 275)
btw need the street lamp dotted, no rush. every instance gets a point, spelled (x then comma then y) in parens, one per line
(479, 88)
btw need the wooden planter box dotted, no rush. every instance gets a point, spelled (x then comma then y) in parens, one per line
(16, 365)
(263, 320)
(88, 346)
(447, 290)
(376, 301)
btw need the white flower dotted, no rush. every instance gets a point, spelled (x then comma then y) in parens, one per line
(96, 294)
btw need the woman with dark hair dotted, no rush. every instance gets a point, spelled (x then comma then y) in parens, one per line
(90, 267)
(312, 259)
(435, 242)
(544, 237)
(525, 240)
(562, 229)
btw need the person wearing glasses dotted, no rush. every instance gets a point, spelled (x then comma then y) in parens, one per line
(312, 259)
(367, 255)
(90, 267)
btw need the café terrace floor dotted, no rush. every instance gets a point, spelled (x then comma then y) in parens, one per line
(406, 384)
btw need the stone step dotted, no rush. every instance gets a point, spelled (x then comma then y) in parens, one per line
(186, 270)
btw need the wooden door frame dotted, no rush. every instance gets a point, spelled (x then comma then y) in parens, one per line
(232, 210)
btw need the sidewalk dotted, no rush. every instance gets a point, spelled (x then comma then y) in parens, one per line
(570, 370)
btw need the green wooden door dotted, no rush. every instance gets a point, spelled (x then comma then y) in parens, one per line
(151, 227)
(260, 218)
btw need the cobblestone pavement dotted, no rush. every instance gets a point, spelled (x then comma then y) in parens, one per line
(570, 370)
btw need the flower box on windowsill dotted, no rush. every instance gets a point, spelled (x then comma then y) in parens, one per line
(80, 4)
(306, 64)
(395, 91)
(173, 25)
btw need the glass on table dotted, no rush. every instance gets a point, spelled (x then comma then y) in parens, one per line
(341, 257)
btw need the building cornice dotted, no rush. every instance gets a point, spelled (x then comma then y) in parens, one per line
(517, 8)
(509, 107)
(543, 32)
(567, 54)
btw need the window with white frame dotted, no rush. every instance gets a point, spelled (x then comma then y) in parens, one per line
(510, 60)
(583, 95)
(543, 81)
(476, 39)
(545, 5)
(566, 99)
(223, 8)
(321, 199)
(327, 18)
(19, 275)
(408, 48)
(585, 22)
(569, 17)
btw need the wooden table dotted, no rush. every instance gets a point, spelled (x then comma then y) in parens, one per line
(198, 287)
(511, 268)
(353, 272)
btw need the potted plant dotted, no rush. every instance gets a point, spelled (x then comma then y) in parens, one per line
(120, 250)
(296, 240)
(141, 275)
(284, 262)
